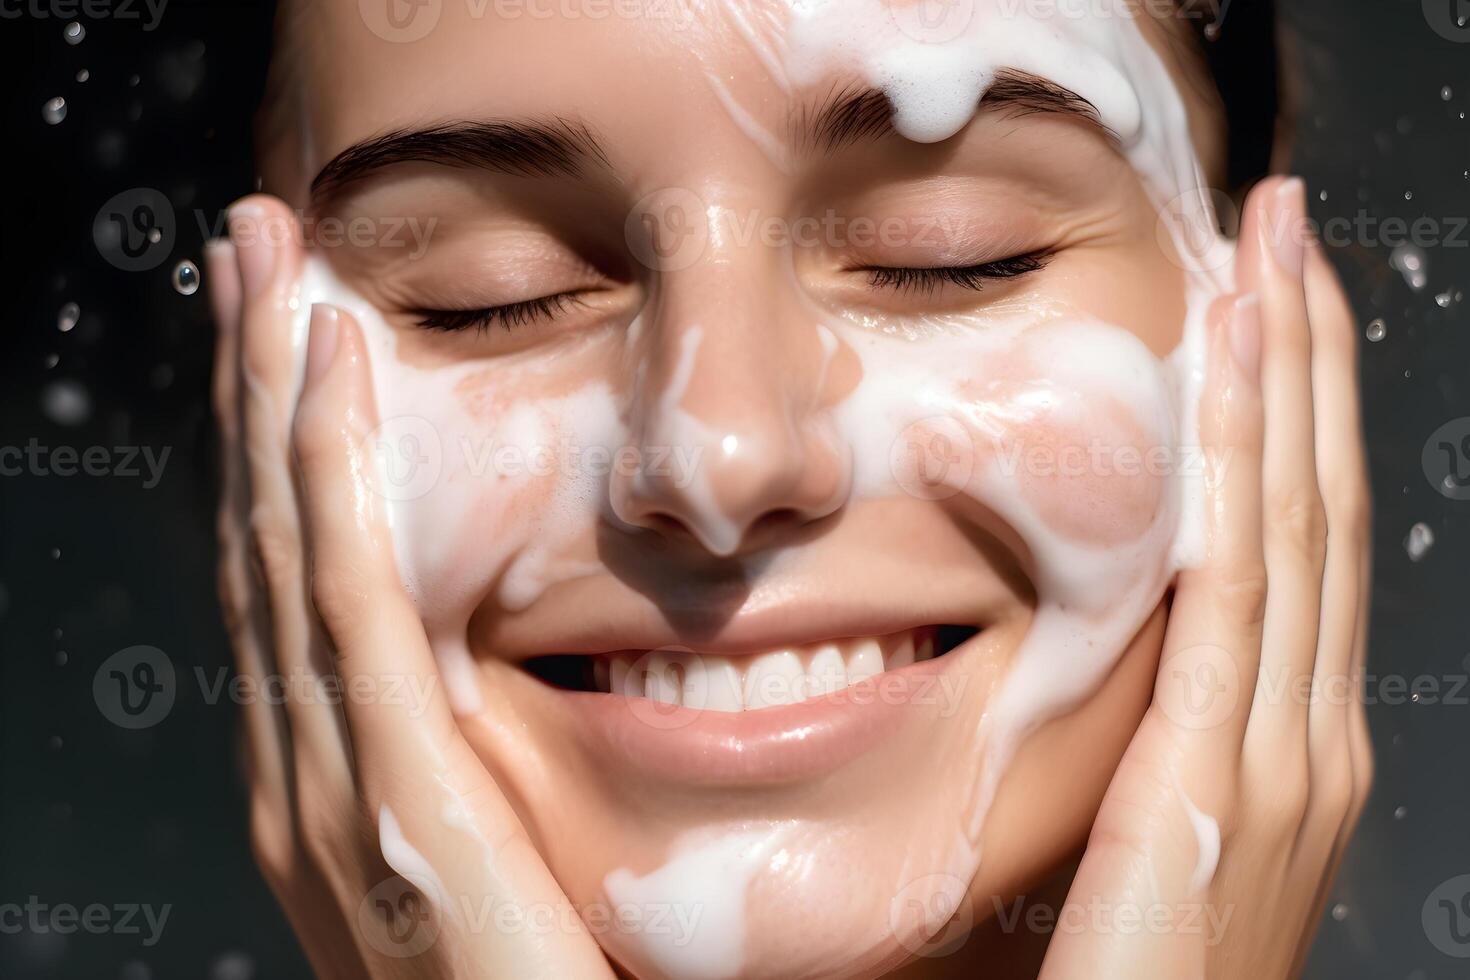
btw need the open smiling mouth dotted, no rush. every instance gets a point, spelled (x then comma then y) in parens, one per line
(749, 682)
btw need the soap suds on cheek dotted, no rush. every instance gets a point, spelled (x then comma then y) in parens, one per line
(474, 496)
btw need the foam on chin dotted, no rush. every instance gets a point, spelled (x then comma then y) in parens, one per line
(1014, 383)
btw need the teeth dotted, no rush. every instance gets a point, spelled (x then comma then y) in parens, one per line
(827, 671)
(774, 678)
(718, 683)
(864, 660)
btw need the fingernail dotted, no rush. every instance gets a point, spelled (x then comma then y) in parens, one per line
(1245, 335)
(1290, 237)
(321, 342)
(252, 242)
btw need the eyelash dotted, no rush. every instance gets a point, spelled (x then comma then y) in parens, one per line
(927, 280)
(899, 279)
(509, 316)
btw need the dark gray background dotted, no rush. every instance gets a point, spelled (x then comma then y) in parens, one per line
(91, 812)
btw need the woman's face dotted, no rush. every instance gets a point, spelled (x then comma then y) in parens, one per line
(686, 354)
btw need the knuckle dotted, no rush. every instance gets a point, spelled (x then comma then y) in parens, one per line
(1241, 591)
(1299, 518)
(274, 551)
(270, 841)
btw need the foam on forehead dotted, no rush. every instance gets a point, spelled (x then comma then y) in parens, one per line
(935, 70)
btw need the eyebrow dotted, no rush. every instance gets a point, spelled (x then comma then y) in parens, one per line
(854, 114)
(559, 148)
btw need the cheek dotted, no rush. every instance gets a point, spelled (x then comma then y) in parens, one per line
(1090, 480)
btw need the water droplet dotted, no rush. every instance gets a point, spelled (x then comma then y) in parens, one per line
(55, 553)
(51, 360)
(68, 317)
(186, 278)
(1339, 912)
(55, 742)
(1212, 31)
(1444, 299)
(66, 402)
(74, 32)
(60, 658)
(1400, 812)
(1408, 195)
(1411, 262)
(1322, 196)
(154, 235)
(233, 965)
(83, 75)
(1446, 93)
(54, 110)
(133, 81)
(1419, 541)
(1377, 330)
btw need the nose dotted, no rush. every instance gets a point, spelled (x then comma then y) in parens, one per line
(734, 396)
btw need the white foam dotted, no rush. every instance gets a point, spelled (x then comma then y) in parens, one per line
(707, 876)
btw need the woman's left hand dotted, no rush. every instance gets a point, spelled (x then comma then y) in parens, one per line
(1216, 844)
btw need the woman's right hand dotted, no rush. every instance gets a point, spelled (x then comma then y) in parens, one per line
(387, 842)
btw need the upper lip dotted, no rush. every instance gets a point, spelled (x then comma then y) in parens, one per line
(752, 631)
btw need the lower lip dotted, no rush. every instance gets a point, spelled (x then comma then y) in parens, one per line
(772, 745)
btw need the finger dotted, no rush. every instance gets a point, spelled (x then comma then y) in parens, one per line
(244, 617)
(413, 766)
(1343, 477)
(263, 230)
(1271, 258)
(1213, 642)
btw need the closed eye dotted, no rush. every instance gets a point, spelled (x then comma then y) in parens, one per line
(509, 315)
(926, 280)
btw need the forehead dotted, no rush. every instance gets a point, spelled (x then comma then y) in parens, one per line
(645, 75)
